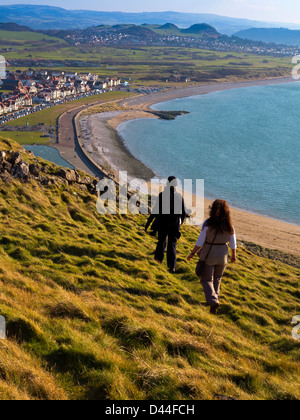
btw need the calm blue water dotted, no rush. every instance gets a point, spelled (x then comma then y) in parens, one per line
(50, 154)
(244, 142)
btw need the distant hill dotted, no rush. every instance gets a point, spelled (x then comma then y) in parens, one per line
(148, 31)
(139, 31)
(169, 27)
(47, 17)
(14, 27)
(276, 35)
(201, 29)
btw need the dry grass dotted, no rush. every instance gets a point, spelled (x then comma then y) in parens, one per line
(90, 315)
(108, 107)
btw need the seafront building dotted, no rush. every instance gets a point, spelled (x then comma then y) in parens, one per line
(25, 89)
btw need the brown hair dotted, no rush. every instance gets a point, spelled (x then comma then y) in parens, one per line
(220, 218)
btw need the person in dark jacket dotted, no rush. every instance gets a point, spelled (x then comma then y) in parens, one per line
(167, 217)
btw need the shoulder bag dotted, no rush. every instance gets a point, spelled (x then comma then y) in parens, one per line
(201, 264)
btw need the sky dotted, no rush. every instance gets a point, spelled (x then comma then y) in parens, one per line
(266, 10)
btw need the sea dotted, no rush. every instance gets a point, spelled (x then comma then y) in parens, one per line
(50, 154)
(244, 143)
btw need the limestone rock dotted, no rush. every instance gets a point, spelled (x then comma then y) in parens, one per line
(87, 180)
(6, 177)
(22, 170)
(35, 169)
(44, 180)
(2, 156)
(12, 165)
(82, 187)
(6, 166)
(62, 181)
(15, 158)
(68, 174)
(78, 178)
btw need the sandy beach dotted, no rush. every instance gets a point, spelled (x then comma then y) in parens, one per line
(102, 141)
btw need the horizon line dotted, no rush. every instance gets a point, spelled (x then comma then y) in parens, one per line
(166, 11)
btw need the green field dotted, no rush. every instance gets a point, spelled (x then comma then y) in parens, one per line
(158, 63)
(28, 44)
(154, 64)
(25, 36)
(31, 137)
(49, 116)
(91, 315)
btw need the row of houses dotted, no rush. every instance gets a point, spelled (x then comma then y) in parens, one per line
(25, 89)
(178, 78)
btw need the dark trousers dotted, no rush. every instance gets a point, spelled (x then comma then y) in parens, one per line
(164, 237)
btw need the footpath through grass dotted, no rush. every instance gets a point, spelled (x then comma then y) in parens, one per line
(90, 315)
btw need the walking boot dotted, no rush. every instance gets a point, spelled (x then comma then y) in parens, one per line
(214, 309)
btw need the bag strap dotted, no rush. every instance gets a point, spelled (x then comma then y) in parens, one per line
(212, 244)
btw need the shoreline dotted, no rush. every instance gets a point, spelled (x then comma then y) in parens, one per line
(251, 227)
(101, 140)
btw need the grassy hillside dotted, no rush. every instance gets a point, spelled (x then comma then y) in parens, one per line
(22, 36)
(139, 63)
(90, 315)
(21, 44)
(156, 64)
(28, 137)
(275, 35)
(197, 31)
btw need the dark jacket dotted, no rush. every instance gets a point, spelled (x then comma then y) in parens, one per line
(169, 212)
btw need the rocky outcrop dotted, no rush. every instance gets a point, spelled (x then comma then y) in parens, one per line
(21, 170)
(2, 157)
(35, 169)
(15, 158)
(67, 174)
(72, 176)
(13, 166)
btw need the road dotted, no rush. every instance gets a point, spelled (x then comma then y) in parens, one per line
(68, 145)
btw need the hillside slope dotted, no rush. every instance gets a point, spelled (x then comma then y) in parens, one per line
(41, 17)
(90, 315)
(14, 27)
(276, 35)
(201, 29)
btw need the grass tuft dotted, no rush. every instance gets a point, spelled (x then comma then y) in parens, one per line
(67, 310)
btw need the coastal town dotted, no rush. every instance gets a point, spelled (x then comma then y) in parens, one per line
(25, 92)
(146, 35)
